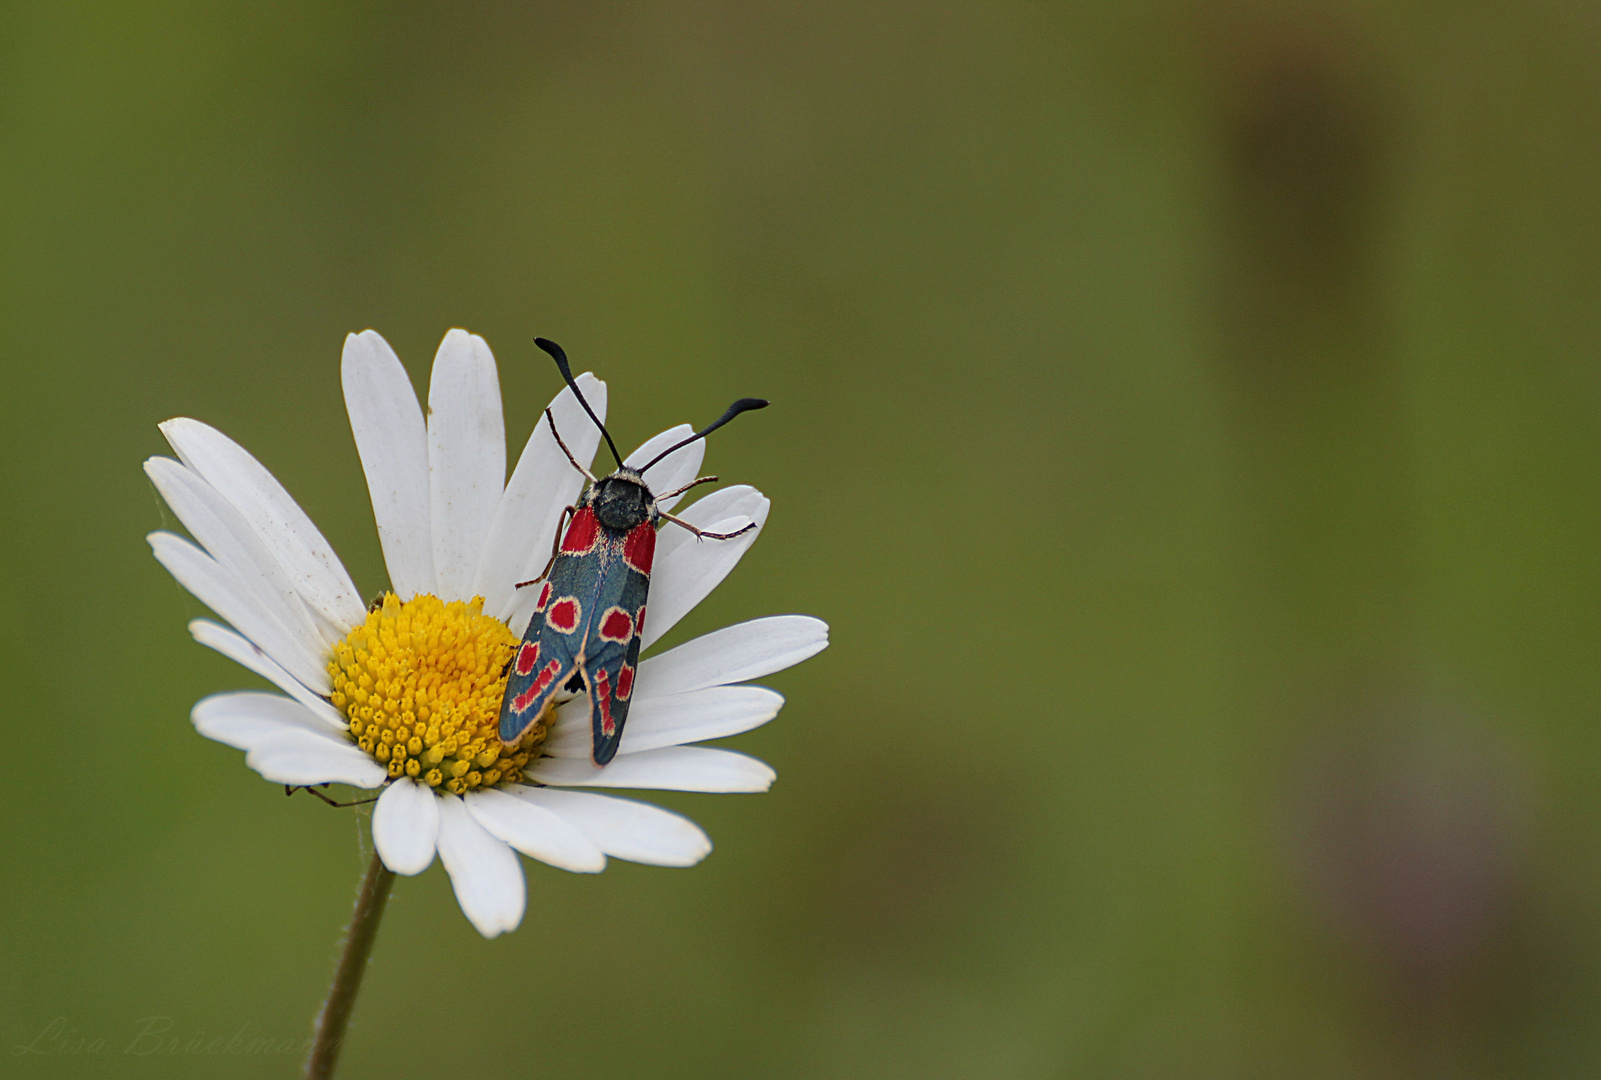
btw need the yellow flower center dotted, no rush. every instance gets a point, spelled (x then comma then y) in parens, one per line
(421, 683)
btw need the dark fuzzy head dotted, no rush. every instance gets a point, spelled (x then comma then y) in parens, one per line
(621, 501)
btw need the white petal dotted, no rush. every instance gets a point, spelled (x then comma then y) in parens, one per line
(244, 718)
(240, 650)
(392, 440)
(623, 828)
(485, 873)
(676, 469)
(535, 831)
(688, 568)
(673, 768)
(466, 458)
(543, 484)
(714, 713)
(225, 594)
(405, 825)
(307, 757)
(522, 611)
(737, 653)
(313, 567)
(228, 538)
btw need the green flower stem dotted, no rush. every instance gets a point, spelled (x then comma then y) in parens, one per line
(363, 931)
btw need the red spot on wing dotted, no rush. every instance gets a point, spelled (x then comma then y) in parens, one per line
(563, 615)
(618, 625)
(527, 657)
(580, 538)
(625, 682)
(608, 726)
(544, 597)
(546, 677)
(525, 700)
(640, 548)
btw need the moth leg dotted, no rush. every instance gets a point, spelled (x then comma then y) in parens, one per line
(686, 487)
(569, 453)
(555, 548)
(701, 534)
(290, 789)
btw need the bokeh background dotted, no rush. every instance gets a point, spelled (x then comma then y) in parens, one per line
(1188, 418)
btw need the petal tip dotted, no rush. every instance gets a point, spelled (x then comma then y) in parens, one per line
(406, 827)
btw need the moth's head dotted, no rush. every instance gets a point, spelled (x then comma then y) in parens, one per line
(621, 500)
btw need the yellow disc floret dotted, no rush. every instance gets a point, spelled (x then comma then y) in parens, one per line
(421, 684)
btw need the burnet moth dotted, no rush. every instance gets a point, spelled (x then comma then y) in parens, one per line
(585, 633)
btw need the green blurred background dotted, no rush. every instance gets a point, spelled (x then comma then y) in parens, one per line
(1188, 418)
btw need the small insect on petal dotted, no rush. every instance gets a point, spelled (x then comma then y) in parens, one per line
(592, 604)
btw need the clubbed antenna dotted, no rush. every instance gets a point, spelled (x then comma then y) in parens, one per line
(742, 405)
(560, 357)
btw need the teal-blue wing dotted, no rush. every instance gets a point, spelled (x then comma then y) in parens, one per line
(611, 646)
(552, 646)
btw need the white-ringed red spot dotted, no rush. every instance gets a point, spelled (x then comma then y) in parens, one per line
(525, 700)
(625, 682)
(639, 549)
(580, 538)
(544, 597)
(528, 656)
(616, 625)
(563, 615)
(608, 726)
(546, 677)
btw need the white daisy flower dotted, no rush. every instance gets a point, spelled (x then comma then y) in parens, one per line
(406, 696)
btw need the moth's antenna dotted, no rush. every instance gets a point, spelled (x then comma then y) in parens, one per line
(560, 357)
(745, 404)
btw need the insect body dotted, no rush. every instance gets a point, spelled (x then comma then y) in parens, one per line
(584, 637)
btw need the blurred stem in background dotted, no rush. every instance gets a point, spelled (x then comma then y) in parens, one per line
(1312, 384)
(1314, 399)
(1397, 810)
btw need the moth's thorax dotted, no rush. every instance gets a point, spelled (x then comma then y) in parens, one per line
(621, 501)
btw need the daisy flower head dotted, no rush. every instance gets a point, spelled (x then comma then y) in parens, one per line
(404, 695)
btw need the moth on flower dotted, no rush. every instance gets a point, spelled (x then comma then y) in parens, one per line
(589, 618)
(406, 697)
